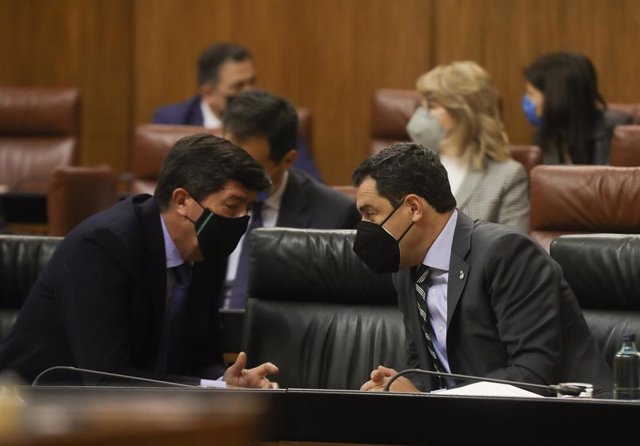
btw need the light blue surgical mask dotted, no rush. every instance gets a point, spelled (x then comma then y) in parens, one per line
(424, 129)
(529, 109)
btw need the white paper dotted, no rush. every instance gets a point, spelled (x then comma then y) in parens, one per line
(484, 388)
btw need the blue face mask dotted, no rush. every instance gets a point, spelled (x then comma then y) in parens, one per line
(529, 109)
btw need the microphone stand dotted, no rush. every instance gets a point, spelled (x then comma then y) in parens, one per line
(107, 374)
(572, 390)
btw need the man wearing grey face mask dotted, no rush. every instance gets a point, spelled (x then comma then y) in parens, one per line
(459, 119)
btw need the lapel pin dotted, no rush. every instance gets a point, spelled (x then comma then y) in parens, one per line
(461, 275)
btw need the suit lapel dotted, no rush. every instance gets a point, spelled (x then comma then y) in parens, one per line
(293, 207)
(154, 266)
(458, 267)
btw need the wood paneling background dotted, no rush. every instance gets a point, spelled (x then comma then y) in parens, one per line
(129, 56)
(83, 43)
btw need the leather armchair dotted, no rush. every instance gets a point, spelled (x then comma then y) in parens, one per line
(21, 260)
(583, 199)
(151, 144)
(317, 311)
(76, 193)
(391, 110)
(602, 270)
(630, 108)
(528, 155)
(625, 146)
(39, 131)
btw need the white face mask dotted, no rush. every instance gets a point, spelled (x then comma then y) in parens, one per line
(424, 129)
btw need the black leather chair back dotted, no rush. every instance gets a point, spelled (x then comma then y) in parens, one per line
(22, 258)
(317, 311)
(603, 270)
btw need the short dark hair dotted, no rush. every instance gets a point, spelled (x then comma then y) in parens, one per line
(212, 58)
(258, 113)
(405, 168)
(202, 164)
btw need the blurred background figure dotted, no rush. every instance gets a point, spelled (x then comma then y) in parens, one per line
(563, 102)
(265, 125)
(224, 70)
(460, 119)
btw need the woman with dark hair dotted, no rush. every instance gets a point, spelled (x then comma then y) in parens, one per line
(563, 101)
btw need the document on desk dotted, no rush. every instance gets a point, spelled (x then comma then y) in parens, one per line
(484, 388)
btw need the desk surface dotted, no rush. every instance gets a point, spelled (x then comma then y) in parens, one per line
(303, 415)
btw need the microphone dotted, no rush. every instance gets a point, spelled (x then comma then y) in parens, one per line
(107, 374)
(563, 389)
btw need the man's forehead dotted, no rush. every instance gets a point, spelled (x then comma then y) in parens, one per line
(367, 195)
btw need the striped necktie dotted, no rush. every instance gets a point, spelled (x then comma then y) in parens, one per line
(422, 272)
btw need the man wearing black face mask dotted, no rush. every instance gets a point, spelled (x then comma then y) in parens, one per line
(478, 298)
(131, 290)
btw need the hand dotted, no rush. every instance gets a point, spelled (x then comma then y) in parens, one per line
(237, 376)
(381, 375)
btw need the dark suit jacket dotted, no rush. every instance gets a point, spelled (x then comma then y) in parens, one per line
(307, 203)
(189, 113)
(510, 313)
(99, 303)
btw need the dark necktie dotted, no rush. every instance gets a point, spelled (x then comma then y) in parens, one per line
(238, 292)
(176, 316)
(421, 276)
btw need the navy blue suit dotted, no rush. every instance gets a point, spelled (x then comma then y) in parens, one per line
(307, 203)
(100, 303)
(189, 113)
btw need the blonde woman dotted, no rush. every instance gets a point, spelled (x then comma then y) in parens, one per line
(460, 119)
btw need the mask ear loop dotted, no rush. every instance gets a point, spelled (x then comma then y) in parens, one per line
(204, 209)
(392, 212)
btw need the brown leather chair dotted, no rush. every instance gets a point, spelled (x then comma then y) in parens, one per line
(527, 155)
(76, 193)
(631, 108)
(625, 146)
(151, 144)
(583, 199)
(391, 110)
(39, 131)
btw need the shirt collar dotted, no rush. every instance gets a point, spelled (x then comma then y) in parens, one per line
(273, 201)
(171, 251)
(210, 120)
(439, 255)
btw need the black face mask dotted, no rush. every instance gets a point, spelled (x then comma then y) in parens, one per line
(218, 236)
(376, 247)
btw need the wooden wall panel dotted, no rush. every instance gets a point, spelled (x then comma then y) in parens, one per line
(130, 56)
(79, 43)
(505, 35)
(327, 56)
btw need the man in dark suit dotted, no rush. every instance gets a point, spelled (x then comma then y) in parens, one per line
(131, 290)
(224, 70)
(266, 125)
(478, 298)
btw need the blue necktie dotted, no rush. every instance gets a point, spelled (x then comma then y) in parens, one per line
(238, 293)
(421, 276)
(176, 316)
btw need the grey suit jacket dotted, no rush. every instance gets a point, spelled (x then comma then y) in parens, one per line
(498, 193)
(510, 313)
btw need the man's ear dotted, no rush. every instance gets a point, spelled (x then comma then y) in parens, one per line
(416, 206)
(179, 200)
(289, 158)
